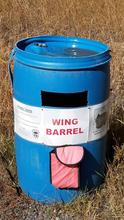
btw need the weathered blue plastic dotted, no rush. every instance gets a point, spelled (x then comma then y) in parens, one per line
(63, 65)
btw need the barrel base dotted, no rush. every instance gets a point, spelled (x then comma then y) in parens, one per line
(33, 169)
(56, 199)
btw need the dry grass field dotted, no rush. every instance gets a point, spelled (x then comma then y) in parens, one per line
(95, 19)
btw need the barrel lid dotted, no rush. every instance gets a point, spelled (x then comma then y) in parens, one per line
(58, 52)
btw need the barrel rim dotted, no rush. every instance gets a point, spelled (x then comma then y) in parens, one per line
(60, 62)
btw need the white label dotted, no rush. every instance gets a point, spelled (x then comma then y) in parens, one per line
(56, 127)
(99, 121)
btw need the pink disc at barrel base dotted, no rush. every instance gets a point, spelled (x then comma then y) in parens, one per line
(70, 155)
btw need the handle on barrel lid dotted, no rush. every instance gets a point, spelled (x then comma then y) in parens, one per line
(9, 65)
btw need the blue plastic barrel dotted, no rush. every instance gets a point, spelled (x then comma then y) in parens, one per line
(60, 96)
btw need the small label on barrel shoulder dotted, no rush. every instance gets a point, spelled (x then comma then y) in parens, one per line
(60, 126)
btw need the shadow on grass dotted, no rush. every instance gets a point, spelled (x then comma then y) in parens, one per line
(115, 135)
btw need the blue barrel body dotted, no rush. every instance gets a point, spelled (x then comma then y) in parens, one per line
(74, 72)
